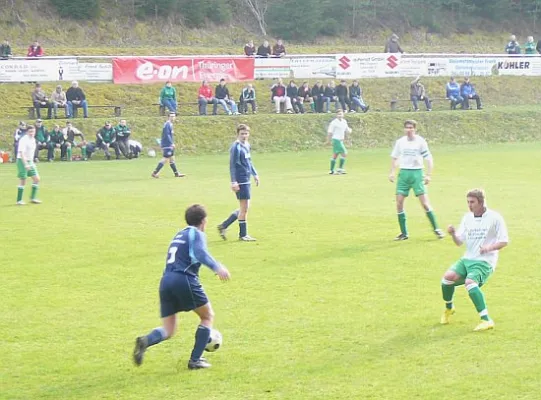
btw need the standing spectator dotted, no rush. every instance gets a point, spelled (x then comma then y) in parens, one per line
(5, 51)
(529, 46)
(305, 95)
(264, 50)
(329, 94)
(279, 50)
(392, 45)
(452, 92)
(105, 138)
(70, 133)
(317, 94)
(168, 97)
(468, 93)
(292, 92)
(222, 96)
(40, 100)
(512, 47)
(56, 141)
(417, 92)
(123, 133)
(206, 97)
(19, 133)
(342, 95)
(58, 98)
(76, 98)
(249, 49)
(356, 97)
(247, 96)
(42, 139)
(278, 95)
(34, 50)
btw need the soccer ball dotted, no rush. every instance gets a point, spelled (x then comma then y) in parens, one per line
(215, 341)
(152, 153)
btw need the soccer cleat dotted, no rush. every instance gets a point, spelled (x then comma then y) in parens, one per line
(179, 175)
(155, 175)
(199, 364)
(446, 316)
(341, 171)
(484, 326)
(366, 109)
(21, 203)
(247, 238)
(141, 345)
(439, 233)
(35, 201)
(222, 231)
(331, 172)
(401, 237)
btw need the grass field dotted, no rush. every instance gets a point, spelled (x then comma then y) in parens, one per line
(324, 306)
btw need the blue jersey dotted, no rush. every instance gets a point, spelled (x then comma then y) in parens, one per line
(187, 251)
(167, 135)
(240, 163)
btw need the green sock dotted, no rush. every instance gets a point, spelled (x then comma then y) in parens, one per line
(448, 291)
(333, 164)
(313, 106)
(69, 153)
(342, 162)
(432, 219)
(478, 299)
(34, 191)
(83, 151)
(20, 191)
(402, 223)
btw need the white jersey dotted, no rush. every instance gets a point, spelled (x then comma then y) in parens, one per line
(481, 231)
(338, 128)
(27, 146)
(411, 153)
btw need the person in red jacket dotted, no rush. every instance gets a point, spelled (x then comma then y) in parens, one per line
(34, 50)
(206, 97)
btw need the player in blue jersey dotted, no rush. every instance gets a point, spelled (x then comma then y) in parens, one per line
(241, 170)
(168, 148)
(181, 291)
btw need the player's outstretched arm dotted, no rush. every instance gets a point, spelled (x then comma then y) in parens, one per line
(203, 256)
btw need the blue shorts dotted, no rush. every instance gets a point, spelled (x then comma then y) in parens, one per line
(168, 152)
(180, 293)
(244, 192)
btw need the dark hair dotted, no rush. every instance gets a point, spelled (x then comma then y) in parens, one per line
(242, 127)
(195, 214)
(31, 128)
(222, 80)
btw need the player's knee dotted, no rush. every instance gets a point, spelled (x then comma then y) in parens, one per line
(36, 179)
(469, 282)
(449, 276)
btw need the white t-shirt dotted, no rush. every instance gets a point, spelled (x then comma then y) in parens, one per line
(338, 128)
(475, 232)
(27, 146)
(411, 152)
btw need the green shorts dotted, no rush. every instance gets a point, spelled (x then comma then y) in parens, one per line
(410, 179)
(338, 147)
(22, 172)
(478, 271)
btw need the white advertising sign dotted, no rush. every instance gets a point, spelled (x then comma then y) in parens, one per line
(317, 67)
(270, 68)
(50, 70)
(89, 72)
(378, 65)
(530, 66)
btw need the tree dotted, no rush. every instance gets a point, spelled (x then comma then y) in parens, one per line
(259, 9)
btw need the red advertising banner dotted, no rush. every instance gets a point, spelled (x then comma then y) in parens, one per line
(151, 70)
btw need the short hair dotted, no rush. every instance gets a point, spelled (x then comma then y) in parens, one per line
(195, 214)
(222, 80)
(339, 110)
(172, 114)
(30, 128)
(478, 194)
(410, 122)
(242, 127)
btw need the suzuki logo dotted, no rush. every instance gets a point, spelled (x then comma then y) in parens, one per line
(392, 62)
(344, 62)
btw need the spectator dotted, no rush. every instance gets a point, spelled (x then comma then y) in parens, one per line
(56, 141)
(70, 133)
(278, 96)
(452, 92)
(247, 96)
(40, 100)
(222, 96)
(292, 92)
(538, 47)
(279, 50)
(317, 95)
(529, 46)
(34, 50)
(392, 45)
(264, 50)
(305, 95)
(58, 99)
(76, 98)
(42, 139)
(135, 148)
(329, 94)
(206, 97)
(468, 92)
(417, 92)
(356, 97)
(5, 51)
(249, 49)
(342, 96)
(512, 47)
(123, 133)
(168, 97)
(19, 133)
(105, 138)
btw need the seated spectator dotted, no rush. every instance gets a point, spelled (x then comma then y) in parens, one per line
(392, 45)
(123, 133)
(305, 95)
(317, 94)
(329, 94)
(417, 92)
(512, 47)
(342, 96)
(222, 96)
(58, 99)
(42, 139)
(19, 133)
(105, 139)
(467, 90)
(356, 97)
(278, 96)
(206, 97)
(247, 96)
(264, 50)
(538, 47)
(135, 148)
(529, 46)
(279, 50)
(5, 51)
(249, 49)
(56, 141)
(70, 133)
(40, 100)
(292, 92)
(76, 98)
(34, 50)
(452, 92)
(168, 97)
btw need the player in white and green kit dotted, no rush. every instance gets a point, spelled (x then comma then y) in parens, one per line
(410, 152)
(337, 133)
(484, 232)
(25, 165)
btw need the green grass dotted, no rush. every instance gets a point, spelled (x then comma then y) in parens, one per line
(324, 306)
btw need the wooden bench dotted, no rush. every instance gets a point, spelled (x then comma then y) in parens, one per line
(117, 109)
(395, 102)
(162, 108)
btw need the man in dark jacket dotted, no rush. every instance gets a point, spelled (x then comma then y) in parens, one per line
(342, 95)
(105, 138)
(42, 139)
(305, 94)
(468, 93)
(76, 98)
(356, 97)
(5, 51)
(317, 94)
(292, 91)
(264, 50)
(392, 45)
(123, 133)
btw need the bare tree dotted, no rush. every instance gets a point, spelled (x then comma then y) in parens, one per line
(259, 8)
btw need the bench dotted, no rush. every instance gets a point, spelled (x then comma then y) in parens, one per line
(395, 102)
(117, 109)
(162, 108)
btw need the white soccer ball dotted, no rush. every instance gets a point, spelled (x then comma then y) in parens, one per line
(152, 153)
(215, 341)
